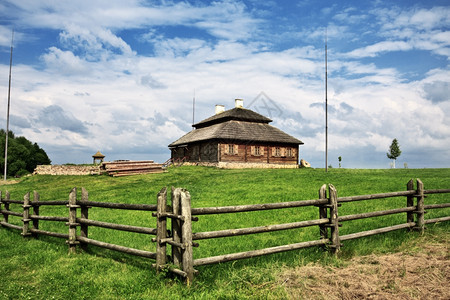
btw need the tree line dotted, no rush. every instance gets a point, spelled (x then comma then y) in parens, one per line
(23, 155)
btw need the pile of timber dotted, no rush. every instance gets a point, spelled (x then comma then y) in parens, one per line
(125, 168)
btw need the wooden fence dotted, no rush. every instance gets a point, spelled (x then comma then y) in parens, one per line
(181, 239)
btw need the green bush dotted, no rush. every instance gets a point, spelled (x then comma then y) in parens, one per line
(23, 155)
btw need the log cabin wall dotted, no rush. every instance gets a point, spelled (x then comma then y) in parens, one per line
(203, 152)
(178, 153)
(197, 152)
(258, 153)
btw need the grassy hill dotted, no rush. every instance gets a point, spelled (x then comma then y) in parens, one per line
(40, 268)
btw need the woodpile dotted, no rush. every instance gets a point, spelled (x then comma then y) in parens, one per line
(125, 168)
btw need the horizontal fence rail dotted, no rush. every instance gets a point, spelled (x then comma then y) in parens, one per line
(375, 231)
(256, 207)
(117, 248)
(268, 228)
(376, 214)
(128, 206)
(255, 253)
(137, 229)
(375, 196)
(179, 239)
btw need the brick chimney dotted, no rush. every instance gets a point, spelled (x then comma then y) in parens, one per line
(239, 103)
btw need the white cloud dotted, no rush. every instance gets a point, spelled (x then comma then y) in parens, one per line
(5, 36)
(381, 47)
(64, 62)
(404, 30)
(422, 19)
(438, 91)
(92, 41)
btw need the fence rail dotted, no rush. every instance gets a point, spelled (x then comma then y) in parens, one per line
(180, 237)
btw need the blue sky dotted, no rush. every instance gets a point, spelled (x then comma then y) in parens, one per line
(120, 76)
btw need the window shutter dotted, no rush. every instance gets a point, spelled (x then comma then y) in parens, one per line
(226, 148)
(273, 151)
(261, 150)
(252, 150)
(283, 151)
(236, 148)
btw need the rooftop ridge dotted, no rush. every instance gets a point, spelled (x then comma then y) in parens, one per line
(237, 113)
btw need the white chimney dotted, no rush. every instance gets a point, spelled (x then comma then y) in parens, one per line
(219, 109)
(239, 103)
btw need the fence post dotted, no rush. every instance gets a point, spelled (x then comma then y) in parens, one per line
(72, 221)
(6, 207)
(26, 215)
(161, 229)
(420, 210)
(186, 236)
(84, 215)
(323, 213)
(410, 202)
(176, 226)
(1, 202)
(334, 224)
(6, 216)
(36, 199)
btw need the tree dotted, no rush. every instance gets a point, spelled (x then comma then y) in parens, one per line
(23, 155)
(340, 160)
(394, 151)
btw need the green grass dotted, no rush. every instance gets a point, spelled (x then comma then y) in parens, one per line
(41, 269)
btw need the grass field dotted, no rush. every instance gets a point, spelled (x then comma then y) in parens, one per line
(42, 269)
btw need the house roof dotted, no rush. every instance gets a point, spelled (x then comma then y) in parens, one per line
(238, 130)
(237, 113)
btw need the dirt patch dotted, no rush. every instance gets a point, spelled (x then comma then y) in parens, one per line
(9, 182)
(421, 272)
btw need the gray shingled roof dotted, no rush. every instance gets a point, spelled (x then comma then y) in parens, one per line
(237, 113)
(237, 130)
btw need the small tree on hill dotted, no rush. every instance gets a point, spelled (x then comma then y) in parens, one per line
(394, 151)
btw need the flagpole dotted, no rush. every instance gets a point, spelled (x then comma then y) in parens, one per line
(9, 104)
(326, 101)
(193, 109)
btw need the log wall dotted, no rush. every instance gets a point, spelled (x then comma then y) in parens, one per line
(258, 153)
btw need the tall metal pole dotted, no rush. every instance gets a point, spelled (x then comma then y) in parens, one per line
(193, 110)
(326, 102)
(9, 104)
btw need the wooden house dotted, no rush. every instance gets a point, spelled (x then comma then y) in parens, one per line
(237, 138)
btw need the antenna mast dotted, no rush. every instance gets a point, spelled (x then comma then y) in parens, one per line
(326, 100)
(193, 109)
(9, 103)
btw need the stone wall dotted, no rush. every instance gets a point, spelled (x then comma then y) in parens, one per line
(66, 170)
(236, 165)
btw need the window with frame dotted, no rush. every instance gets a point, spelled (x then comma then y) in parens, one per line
(230, 149)
(277, 151)
(289, 152)
(257, 150)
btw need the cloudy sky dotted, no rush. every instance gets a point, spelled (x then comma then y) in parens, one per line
(120, 76)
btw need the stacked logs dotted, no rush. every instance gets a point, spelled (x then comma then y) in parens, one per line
(125, 168)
